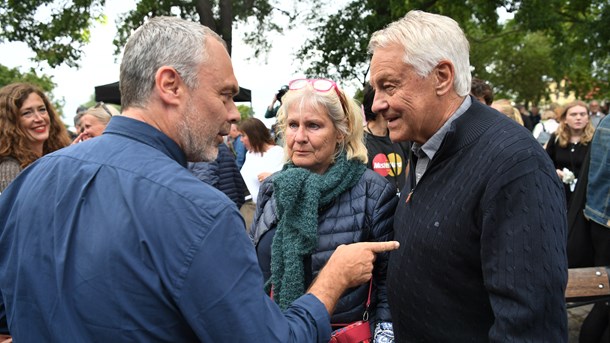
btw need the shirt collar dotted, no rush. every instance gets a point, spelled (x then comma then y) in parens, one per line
(430, 148)
(147, 134)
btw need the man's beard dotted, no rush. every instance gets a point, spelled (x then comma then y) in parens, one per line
(198, 139)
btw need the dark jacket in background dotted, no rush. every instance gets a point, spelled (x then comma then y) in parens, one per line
(528, 122)
(222, 173)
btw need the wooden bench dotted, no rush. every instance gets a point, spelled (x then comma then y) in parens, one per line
(588, 284)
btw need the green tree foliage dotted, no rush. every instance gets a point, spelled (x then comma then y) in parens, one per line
(45, 82)
(518, 66)
(339, 46)
(580, 41)
(10, 75)
(546, 41)
(57, 30)
(261, 17)
(219, 15)
(570, 38)
(245, 111)
(54, 31)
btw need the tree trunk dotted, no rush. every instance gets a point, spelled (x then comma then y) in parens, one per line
(226, 22)
(206, 16)
(224, 26)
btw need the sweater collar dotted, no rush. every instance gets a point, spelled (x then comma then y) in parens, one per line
(466, 129)
(433, 144)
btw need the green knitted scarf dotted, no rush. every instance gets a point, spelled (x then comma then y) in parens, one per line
(299, 194)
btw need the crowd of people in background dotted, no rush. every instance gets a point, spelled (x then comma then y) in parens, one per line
(430, 160)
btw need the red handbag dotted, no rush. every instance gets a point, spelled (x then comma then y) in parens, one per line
(355, 332)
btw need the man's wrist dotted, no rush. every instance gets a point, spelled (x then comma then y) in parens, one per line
(328, 288)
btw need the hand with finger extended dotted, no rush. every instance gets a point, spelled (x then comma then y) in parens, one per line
(349, 266)
(353, 264)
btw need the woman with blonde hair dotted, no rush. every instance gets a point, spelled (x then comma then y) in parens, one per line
(29, 129)
(93, 121)
(503, 106)
(323, 197)
(568, 145)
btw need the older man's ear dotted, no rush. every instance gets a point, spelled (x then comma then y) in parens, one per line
(444, 73)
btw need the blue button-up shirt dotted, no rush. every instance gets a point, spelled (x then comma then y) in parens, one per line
(113, 240)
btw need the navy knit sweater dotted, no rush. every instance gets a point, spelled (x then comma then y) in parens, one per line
(483, 240)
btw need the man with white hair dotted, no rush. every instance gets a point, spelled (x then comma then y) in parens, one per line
(480, 220)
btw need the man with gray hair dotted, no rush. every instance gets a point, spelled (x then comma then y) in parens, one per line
(595, 113)
(114, 240)
(480, 220)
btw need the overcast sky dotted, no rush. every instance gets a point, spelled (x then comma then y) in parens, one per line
(98, 66)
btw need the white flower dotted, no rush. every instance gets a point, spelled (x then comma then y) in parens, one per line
(568, 177)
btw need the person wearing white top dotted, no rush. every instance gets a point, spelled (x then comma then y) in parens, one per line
(263, 158)
(547, 125)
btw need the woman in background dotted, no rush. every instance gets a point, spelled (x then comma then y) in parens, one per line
(568, 145)
(263, 157)
(29, 128)
(503, 106)
(93, 122)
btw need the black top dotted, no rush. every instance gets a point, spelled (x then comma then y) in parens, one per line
(388, 159)
(571, 157)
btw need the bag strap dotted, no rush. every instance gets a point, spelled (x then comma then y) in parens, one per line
(368, 299)
(365, 316)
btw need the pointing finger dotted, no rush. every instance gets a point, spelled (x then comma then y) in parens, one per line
(378, 247)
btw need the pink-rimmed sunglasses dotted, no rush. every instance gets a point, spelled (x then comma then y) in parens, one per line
(320, 85)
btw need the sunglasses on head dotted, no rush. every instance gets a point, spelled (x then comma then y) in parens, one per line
(319, 85)
(103, 106)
